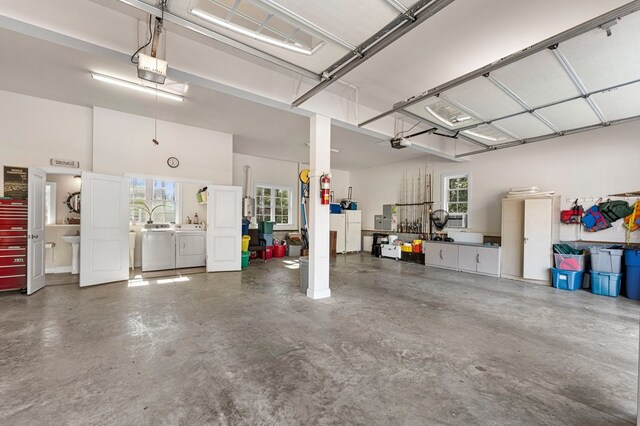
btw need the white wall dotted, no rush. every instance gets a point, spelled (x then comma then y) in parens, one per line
(595, 163)
(283, 173)
(34, 130)
(65, 185)
(122, 143)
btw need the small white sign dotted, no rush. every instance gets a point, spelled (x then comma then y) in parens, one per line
(65, 163)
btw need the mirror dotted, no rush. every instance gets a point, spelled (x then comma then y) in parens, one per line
(73, 202)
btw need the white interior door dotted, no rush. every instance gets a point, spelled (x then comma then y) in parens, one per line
(35, 230)
(224, 228)
(512, 237)
(337, 222)
(537, 239)
(104, 229)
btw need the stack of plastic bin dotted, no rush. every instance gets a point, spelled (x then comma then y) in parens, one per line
(606, 265)
(265, 230)
(569, 271)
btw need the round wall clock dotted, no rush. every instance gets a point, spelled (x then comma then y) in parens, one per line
(173, 162)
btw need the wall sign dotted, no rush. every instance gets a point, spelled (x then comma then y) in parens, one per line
(15, 182)
(65, 163)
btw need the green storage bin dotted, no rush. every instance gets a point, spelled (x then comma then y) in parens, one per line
(245, 259)
(265, 227)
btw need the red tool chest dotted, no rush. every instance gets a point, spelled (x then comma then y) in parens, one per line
(13, 244)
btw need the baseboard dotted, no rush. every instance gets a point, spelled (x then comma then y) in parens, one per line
(58, 270)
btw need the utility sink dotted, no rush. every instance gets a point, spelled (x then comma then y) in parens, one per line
(71, 239)
(74, 240)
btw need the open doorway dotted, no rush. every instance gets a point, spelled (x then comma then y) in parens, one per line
(62, 207)
(168, 222)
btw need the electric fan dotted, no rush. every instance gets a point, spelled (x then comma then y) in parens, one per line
(439, 218)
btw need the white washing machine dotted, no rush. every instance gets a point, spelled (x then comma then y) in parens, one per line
(191, 246)
(158, 247)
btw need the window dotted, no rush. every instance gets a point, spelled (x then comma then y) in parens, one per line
(273, 204)
(50, 202)
(157, 196)
(456, 193)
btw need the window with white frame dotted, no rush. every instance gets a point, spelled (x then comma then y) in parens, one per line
(156, 198)
(50, 202)
(274, 204)
(456, 193)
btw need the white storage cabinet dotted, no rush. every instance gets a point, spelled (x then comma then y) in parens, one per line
(442, 255)
(481, 260)
(348, 227)
(530, 227)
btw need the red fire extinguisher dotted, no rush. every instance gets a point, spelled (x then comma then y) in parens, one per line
(325, 188)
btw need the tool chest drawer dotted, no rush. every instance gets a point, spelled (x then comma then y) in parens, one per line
(9, 222)
(13, 283)
(13, 250)
(14, 239)
(18, 202)
(12, 261)
(10, 271)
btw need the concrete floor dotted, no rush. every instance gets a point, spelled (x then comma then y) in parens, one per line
(397, 343)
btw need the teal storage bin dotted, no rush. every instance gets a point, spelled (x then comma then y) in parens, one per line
(265, 227)
(605, 284)
(567, 280)
(266, 239)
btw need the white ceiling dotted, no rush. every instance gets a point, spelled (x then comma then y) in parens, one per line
(464, 36)
(258, 129)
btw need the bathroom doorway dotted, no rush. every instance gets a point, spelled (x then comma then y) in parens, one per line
(62, 207)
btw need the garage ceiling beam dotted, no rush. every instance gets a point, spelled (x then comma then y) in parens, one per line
(545, 44)
(414, 16)
(397, 5)
(549, 136)
(454, 134)
(174, 19)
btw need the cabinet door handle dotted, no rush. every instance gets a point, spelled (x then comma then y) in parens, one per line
(441, 255)
(526, 239)
(478, 258)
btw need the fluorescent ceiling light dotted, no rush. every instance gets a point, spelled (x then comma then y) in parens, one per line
(332, 149)
(297, 47)
(137, 87)
(439, 117)
(480, 136)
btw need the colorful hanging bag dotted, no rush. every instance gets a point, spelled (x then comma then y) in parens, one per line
(594, 220)
(572, 216)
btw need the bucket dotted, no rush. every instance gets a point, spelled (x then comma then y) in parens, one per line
(417, 246)
(245, 259)
(304, 274)
(245, 242)
(279, 250)
(266, 254)
(245, 227)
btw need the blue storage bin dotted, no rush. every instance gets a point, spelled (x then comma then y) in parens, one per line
(632, 257)
(335, 208)
(605, 284)
(266, 239)
(567, 280)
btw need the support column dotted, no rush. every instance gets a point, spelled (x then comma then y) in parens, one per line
(320, 163)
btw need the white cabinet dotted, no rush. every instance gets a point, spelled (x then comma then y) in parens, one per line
(348, 228)
(530, 227)
(353, 231)
(443, 255)
(337, 223)
(483, 260)
(463, 257)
